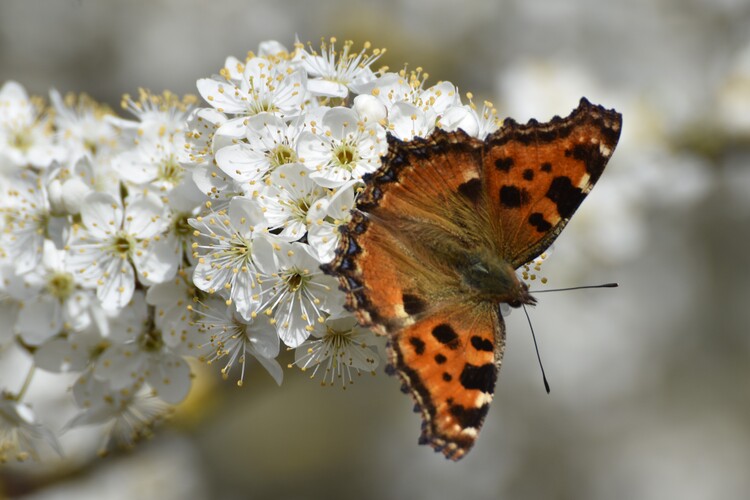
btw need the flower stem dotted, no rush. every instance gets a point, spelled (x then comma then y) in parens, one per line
(26, 384)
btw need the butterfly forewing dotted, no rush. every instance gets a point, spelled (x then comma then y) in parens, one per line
(429, 191)
(536, 175)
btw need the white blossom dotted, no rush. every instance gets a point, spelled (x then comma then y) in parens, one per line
(294, 289)
(112, 240)
(233, 337)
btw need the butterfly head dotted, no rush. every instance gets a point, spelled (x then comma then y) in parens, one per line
(522, 296)
(490, 278)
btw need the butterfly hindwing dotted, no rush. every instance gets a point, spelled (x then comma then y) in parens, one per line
(536, 175)
(449, 361)
(384, 282)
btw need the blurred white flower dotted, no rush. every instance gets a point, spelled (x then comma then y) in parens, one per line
(159, 117)
(20, 434)
(28, 220)
(84, 127)
(143, 356)
(152, 163)
(26, 135)
(70, 351)
(67, 187)
(57, 301)
(734, 95)
(339, 348)
(233, 337)
(129, 413)
(174, 314)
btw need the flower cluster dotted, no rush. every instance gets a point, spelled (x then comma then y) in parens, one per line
(188, 231)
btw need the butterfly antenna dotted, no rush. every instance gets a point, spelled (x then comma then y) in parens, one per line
(605, 285)
(538, 357)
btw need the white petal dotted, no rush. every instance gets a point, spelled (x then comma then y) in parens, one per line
(369, 108)
(166, 293)
(158, 261)
(220, 95)
(101, 214)
(459, 117)
(408, 121)
(289, 323)
(76, 310)
(39, 319)
(120, 365)
(315, 151)
(242, 163)
(244, 293)
(145, 217)
(61, 356)
(246, 215)
(331, 177)
(135, 167)
(323, 87)
(273, 368)
(341, 121)
(169, 376)
(264, 339)
(264, 255)
(116, 290)
(234, 128)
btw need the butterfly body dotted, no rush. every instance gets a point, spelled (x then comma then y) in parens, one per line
(434, 241)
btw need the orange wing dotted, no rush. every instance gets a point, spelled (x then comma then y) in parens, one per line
(396, 258)
(536, 175)
(449, 361)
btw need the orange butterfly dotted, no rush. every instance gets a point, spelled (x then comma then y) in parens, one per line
(432, 247)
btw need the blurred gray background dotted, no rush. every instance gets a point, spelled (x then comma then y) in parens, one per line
(650, 382)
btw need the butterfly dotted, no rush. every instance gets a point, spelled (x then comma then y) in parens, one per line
(433, 244)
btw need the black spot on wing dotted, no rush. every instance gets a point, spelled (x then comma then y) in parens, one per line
(481, 378)
(539, 222)
(545, 167)
(565, 195)
(418, 345)
(591, 156)
(413, 304)
(513, 197)
(481, 344)
(446, 335)
(528, 174)
(504, 164)
(471, 189)
(447, 376)
(440, 359)
(469, 417)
